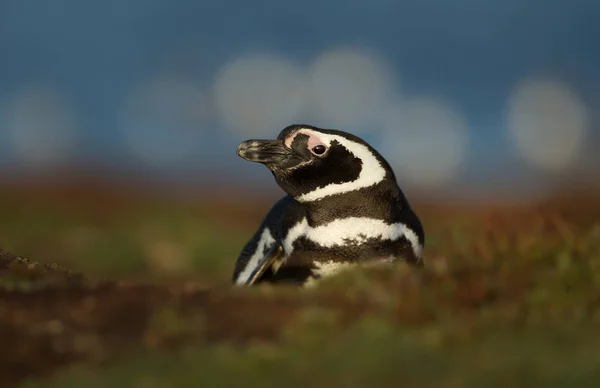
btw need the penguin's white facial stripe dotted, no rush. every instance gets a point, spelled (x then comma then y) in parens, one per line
(372, 172)
(348, 231)
(266, 242)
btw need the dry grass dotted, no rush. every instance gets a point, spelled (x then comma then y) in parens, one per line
(510, 296)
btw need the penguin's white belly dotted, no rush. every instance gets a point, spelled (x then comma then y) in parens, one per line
(325, 269)
(348, 231)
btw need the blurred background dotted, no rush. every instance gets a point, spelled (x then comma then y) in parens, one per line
(483, 101)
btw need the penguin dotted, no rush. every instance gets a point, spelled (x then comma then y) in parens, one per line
(342, 208)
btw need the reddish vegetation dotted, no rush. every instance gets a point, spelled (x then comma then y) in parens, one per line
(55, 318)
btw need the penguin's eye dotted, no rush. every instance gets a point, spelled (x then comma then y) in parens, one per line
(319, 149)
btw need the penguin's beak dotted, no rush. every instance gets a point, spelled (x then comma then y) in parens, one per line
(270, 152)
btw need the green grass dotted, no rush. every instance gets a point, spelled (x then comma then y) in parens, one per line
(509, 297)
(145, 240)
(370, 353)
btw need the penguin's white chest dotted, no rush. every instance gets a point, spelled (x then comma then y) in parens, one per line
(345, 232)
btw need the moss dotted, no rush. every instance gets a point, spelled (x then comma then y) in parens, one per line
(508, 297)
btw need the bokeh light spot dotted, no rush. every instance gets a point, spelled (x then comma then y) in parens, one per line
(425, 139)
(258, 95)
(349, 87)
(41, 126)
(548, 122)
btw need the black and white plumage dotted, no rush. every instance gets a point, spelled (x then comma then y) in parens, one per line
(343, 208)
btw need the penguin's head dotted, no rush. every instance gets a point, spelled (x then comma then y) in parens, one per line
(310, 163)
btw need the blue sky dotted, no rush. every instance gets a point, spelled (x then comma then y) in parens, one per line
(470, 52)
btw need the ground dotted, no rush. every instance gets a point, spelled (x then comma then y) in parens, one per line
(510, 296)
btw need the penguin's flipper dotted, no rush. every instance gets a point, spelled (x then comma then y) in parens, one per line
(273, 260)
(255, 257)
(264, 251)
